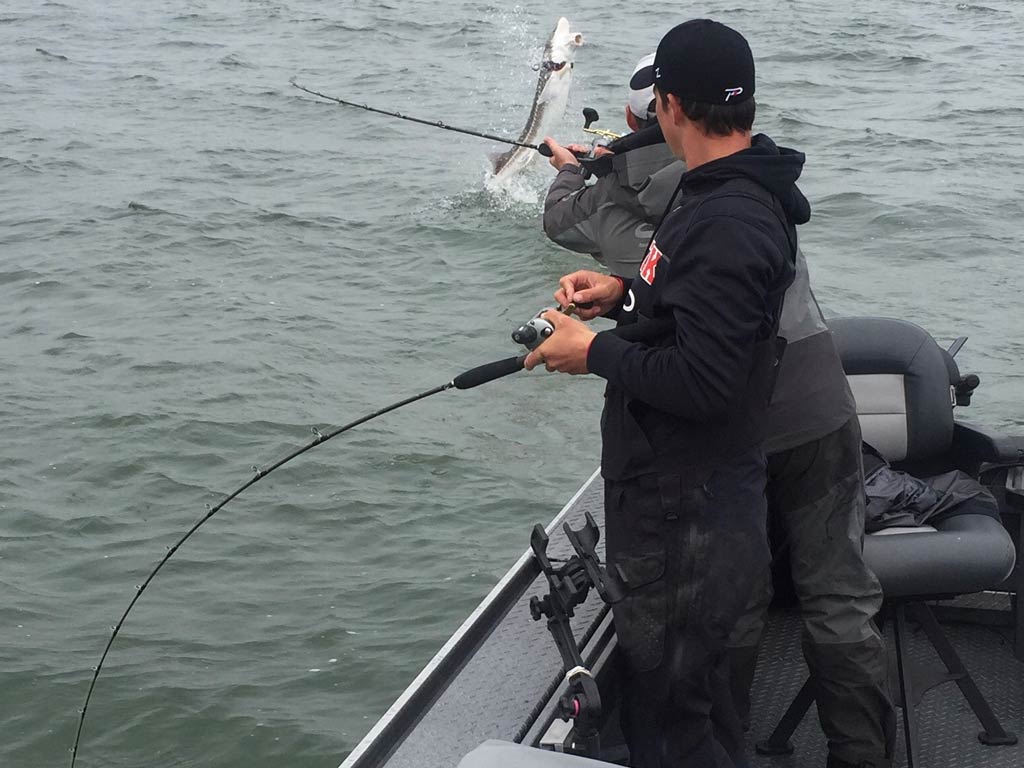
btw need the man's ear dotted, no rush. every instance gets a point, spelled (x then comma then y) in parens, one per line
(631, 120)
(675, 109)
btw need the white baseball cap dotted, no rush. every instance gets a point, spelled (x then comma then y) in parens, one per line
(641, 89)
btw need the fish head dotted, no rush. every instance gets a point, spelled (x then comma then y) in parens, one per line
(561, 49)
(564, 36)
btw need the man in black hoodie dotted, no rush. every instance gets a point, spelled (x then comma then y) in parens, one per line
(683, 419)
(816, 510)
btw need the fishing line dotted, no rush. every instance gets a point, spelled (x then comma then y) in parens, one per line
(544, 149)
(467, 380)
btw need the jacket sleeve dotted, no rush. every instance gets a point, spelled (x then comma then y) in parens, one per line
(569, 211)
(718, 289)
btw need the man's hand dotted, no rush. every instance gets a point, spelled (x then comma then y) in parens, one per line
(564, 350)
(586, 149)
(586, 287)
(560, 156)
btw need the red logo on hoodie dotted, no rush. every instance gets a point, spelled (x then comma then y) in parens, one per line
(650, 264)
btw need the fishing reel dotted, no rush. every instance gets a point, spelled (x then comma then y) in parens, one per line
(590, 117)
(533, 332)
(595, 164)
(604, 138)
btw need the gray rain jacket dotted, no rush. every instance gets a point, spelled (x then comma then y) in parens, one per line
(614, 219)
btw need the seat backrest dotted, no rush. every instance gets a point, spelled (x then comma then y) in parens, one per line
(901, 380)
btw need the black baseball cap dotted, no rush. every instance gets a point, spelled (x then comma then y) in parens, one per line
(705, 61)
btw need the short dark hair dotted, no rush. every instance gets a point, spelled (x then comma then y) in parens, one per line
(717, 119)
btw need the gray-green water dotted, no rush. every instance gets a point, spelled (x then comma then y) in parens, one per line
(199, 263)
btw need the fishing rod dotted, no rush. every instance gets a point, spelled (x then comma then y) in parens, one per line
(544, 149)
(601, 165)
(474, 377)
(530, 334)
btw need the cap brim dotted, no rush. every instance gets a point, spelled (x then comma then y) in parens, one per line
(642, 78)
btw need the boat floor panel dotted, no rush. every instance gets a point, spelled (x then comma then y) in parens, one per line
(949, 730)
(501, 688)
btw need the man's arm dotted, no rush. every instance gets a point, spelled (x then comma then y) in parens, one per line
(570, 206)
(569, 211)
(719, 281)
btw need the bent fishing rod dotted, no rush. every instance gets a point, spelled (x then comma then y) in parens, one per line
(531, 335)
(544, 149)
(474, 377)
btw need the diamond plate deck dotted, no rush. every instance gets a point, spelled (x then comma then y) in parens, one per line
(948, 728)
(501, 688)
(499, 691)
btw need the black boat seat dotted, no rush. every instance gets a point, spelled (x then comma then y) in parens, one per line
(960, 555)
(903, 383)
(505, 754)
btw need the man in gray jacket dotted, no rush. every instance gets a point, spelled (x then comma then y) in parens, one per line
(614, 218)
(815, 477)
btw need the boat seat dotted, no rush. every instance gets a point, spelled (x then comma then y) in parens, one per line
(903, 384)
(957, 556)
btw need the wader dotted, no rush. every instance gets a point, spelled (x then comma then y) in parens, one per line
(691, 547)
(685, 474)
(816, 508)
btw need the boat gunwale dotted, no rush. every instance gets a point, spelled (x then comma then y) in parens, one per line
(401, 717)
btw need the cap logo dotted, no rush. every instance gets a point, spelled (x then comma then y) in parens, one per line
(730, 92)
(657, 73)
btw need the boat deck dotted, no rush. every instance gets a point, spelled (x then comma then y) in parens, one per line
(504, 684)
(948, 729)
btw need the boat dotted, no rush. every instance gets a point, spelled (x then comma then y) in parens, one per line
(505, 690)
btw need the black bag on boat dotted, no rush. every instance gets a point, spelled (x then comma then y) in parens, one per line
(897, 499)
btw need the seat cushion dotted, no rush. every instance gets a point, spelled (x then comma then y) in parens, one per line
(882, 410)
(962, 554)
(901, 381)
(904, 529)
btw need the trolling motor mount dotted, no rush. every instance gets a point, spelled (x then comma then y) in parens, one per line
(570, 584)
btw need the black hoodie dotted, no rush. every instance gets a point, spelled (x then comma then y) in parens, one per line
(718, 265)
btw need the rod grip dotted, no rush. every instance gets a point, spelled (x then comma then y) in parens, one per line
(474, 377)
(545, 150)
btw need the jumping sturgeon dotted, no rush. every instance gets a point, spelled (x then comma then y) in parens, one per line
(549, 101)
